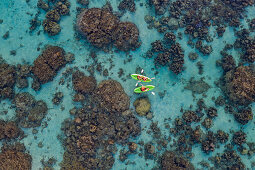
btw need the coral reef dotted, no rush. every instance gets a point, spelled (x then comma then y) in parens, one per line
(97, 25)
(50, 27)
(83, 84)
(208, 145)
(207, 123)
(252, 24)
(15, 158)
(244, 116)
(190, 116)
(240, 85)
(111, 96)
(239, 138)
(142, 106)
(247, 44)
(91, 137)
(53, 16)
(169, 37)
(23, 72)
(127, 5)
(102, 28)
(62, 8)
(126, 36)
(48, 63)
(160, 6)
(177, 53)
(7, 80)
(173, 57)
(229, 159)
(9, 130)
(193, 56)
(57, 98)
(212, 112)
(83, 2)
(170, 160)
(222, 136)
(249, 55)
(29, 112)
(227, 63)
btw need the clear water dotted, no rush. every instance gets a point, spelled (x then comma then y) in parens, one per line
(16, 16)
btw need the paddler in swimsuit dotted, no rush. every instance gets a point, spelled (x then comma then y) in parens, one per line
(140, 78)
(143, 88)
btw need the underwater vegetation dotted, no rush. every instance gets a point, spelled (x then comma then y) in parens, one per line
(69, 103)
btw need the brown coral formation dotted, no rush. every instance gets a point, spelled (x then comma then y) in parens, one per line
(244, 116)
(229, 159)
(111, 96)
(127, 5)
(11, 159)
(9, 130)
(48, 63)
(190, 116)
(50, 24)
(29, 111)
(92, 135)
(240, 85)
(227, 63)
(83, 84)
(101, 28)
(172, 57)
(171, 161)
(160, 6)
(239, 138)
(7, 80)
(208, 145)
(127, 36)
(97, 25)
(102, 122)
(249, 55)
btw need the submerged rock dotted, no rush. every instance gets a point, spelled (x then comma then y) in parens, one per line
(197, 86)
(142, 106)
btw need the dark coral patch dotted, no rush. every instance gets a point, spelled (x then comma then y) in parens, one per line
(83, 84)
(111, 96)
(240, 85)
(48, 63)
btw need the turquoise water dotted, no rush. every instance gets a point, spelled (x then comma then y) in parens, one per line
(16, 16)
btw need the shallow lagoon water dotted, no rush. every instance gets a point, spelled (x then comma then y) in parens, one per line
(16, 16)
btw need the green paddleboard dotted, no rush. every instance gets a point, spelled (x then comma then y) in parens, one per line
(138, 89)
(135, 76)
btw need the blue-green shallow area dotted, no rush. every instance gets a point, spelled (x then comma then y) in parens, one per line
(16, 16)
